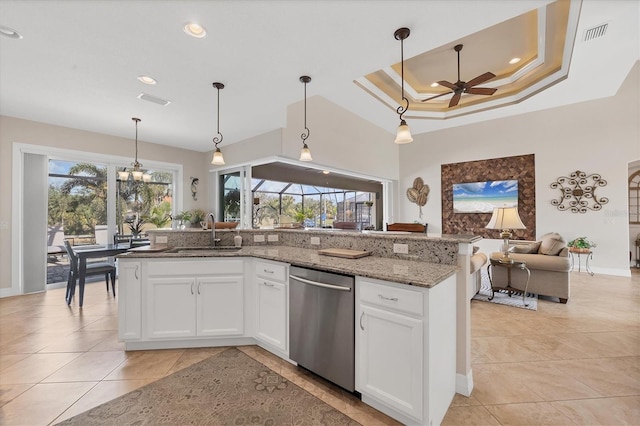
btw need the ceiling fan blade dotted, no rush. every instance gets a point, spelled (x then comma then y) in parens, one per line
(436, 96)
(480, 91)
(447, 84)
(455, 99)
(480, 79)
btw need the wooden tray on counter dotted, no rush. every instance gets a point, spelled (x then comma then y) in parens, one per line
(345, 253)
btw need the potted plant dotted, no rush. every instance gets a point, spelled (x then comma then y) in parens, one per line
(183, 217)
(581, 245)
(197, 216)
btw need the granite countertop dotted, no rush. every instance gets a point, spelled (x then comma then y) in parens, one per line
(411, 272)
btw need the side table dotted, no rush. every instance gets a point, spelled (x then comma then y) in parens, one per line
(579, 252)
(493, 263)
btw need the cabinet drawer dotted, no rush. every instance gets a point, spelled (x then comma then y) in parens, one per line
(272, 271)
(196, 267)
(391, 297)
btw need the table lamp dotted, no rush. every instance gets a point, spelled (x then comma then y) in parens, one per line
(506, 219)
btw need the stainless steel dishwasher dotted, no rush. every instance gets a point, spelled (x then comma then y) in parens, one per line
(321, 324)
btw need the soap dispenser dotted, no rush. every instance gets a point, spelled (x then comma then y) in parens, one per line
(237, 240)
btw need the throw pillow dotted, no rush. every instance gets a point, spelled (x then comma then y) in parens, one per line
(527, 248)
(551, 244)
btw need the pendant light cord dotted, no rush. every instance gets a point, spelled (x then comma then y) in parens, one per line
(402, 109)
(306, 132)
(217, 139)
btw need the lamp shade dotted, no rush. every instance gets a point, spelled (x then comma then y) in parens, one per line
(124, 175)
(505, 218)
(137, 174)
(305, 153)
(218, 159)
(404, 133)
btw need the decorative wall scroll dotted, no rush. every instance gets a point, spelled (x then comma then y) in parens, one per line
(194, 187)
(578, 192)
(418, 193)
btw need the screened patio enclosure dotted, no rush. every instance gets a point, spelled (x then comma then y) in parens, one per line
(286, 204)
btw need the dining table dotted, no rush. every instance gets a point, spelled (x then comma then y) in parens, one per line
(88, 252)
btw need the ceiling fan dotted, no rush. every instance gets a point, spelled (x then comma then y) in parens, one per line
(460, 87)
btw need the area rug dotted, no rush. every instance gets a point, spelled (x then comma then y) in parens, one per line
(229, 388)
(502, 298)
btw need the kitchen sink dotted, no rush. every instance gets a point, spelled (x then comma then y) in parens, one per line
(202, 249)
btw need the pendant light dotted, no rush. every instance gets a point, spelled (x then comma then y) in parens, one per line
(218, 159)
(137, 167)
(305, 153)
(404, 133)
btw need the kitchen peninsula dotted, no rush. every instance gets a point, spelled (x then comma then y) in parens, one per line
(181, 293)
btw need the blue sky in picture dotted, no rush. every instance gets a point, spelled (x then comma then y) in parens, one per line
(483, 197)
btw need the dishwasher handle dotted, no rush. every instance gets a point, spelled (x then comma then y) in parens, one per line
(329, 286)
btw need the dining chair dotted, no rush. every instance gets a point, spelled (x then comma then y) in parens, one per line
(122, 239)
(94, 268)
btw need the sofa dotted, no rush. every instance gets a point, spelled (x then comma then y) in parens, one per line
(547, 260)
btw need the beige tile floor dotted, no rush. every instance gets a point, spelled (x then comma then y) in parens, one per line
(574, 364)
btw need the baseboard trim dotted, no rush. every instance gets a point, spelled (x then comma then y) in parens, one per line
(464, 384)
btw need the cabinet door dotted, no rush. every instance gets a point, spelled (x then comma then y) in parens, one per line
(272, 319)
(390, 355)
(129, 300)
(171, 307)
(220, 306)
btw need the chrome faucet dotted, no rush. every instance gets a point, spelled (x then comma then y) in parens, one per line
(214, 240)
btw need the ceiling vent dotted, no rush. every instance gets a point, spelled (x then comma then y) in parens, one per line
(595, 32)
(155, 100)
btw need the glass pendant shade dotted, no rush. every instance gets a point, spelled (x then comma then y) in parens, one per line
(404, 133)
(137, 174)
(124, 175)
(218, 159)
(146, 177)
(305, 153)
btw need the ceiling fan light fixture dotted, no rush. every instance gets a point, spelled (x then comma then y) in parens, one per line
(404, 134)
(218, 159)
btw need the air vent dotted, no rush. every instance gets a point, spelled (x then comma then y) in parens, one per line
(595, 32)
(155, 100)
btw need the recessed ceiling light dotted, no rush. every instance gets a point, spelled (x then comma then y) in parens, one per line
(514, 61)
(146, 79)
(434, 85)
(326, 172)
(9, 32)
(195, 30)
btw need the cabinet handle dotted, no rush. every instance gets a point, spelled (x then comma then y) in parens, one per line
(191, 288)
(268, 271)
(361, 326)
(199, 287)
(267, 284)
(392, 299)
(136, 272)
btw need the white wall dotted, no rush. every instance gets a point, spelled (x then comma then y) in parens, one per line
(599, 136)
(14, 130)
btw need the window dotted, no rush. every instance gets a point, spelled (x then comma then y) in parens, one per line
(634, 198)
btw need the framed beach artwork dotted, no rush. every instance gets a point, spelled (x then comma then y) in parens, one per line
(483, 197)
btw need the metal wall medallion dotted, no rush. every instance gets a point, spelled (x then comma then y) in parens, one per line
(578, 192)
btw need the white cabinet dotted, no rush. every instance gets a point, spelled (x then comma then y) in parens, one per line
(406, 348)
(272, 320)
(129, 299)
(390, 347)
(194, 299)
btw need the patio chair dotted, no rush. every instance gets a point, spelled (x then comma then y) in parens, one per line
(95, 268)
